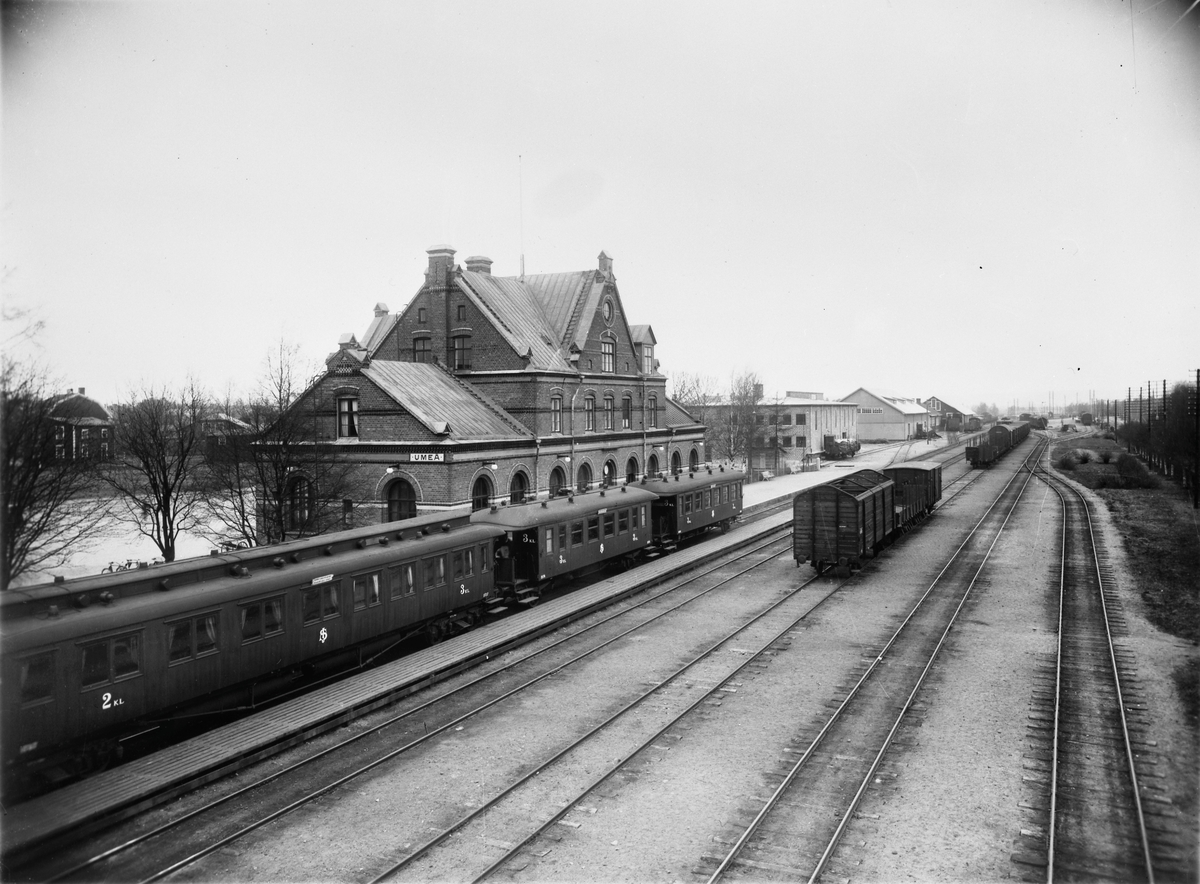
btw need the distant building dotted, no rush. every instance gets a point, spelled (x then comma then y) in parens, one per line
(488, 390)
(944, 416)
(83, 428)
(792, 430)
(887, 417)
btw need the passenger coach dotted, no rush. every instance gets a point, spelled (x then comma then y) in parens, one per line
(687, 505)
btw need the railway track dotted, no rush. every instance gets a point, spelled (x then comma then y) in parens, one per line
(1096, 826)
(799, 825)
(188, 838)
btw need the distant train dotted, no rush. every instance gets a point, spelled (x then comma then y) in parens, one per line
(846, 521)
(1000, 439)
(88, 664)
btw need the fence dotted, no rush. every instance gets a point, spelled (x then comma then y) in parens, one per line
(1161, 425)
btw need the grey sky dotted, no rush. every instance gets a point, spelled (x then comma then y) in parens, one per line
(971, 200)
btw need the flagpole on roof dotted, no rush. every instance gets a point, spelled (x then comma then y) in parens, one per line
(521, 212)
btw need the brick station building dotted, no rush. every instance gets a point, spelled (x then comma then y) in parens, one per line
(488, 389)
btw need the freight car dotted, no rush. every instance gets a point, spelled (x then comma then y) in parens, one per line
(844, 521)
(999, 440)
(89, 664)
(1086, 418)
(918, 488)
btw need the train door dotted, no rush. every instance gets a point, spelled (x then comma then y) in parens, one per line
(112, 680)
(404, 609)
(366, 603)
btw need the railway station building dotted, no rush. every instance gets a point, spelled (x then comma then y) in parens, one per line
(887, 417)
(485, 390)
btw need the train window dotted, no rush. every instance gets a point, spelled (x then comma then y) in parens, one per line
(251, 623)
(321, 603)
(366, 591)
(95, 664)
(435, 572)
(403, 581)
(469, 561)
(707, 499)
(593, 528)
(610, 524)
(37, 678)
(639, 517)
(549, 541)
(562, 537)
(206, 632)
(576, 533)
(622, 521)
(430, 573)
(457, 561)
(485, 559)
(112, 659)
(179, 641)
(687, 503)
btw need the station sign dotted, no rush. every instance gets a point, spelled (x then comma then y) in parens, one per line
(427, 457)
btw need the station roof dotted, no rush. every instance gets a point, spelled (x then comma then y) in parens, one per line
(559, 509)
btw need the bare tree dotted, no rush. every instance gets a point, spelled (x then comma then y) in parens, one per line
(732, 425)
(159, 475)
(50, 503)
(278, 480)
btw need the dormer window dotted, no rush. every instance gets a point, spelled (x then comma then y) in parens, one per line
(648, 358)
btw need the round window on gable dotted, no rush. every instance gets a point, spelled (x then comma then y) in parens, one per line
(609, 310)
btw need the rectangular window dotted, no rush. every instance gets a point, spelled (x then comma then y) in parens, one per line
(549, 541)
(457, 562)
(462, 312)
(347, 417)
(469, 562)
(610, 410)
(188, 639)
(687, 503)
(556, 414)
(562, 537)
(251, 622)
(430, 575)
(576, 533)
(622, 521)
(321, 602)
(59, 431)
(707, 499)
(435, 572)
(485, 558)
(785, 441)
(608, 353)
(112, 659)
(801, 420)
(626, 413)
(462, 352)
(422, 315)
(787, 420)
(37, 678)
(366, 591)
(647, 359)
(610, 524)
(422, 350)
(652, 412)
(641, 517)
(801, 441)
(589, 414)
(593, 523)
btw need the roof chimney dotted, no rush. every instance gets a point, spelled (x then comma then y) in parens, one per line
(479, 264)
(347, 342)
(81, 391)
(606, 264)
(441, 264)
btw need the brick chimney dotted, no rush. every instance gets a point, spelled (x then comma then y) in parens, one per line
(479, 264)
(441, 263)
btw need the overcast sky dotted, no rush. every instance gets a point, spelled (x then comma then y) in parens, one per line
(978, 201)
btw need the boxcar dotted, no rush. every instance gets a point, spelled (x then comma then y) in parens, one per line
(84, 670)
(982, 454)
(918, 488)
(548, 539)
(687, 505)
(844, 521)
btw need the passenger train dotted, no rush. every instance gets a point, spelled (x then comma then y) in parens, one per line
(89, 664)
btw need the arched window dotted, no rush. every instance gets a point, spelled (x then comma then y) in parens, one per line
(610, 473)
(676, 463)
(652, 467)
(401, 501)
(589, 414)
(585, 477)
(631, 471)
(694, 460)
(518, 487)
(610, 409)
(626, 412)
(481, 494)
(299, 502)
(556, 414)
(558, 480)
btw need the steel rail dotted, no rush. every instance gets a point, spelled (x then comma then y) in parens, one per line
(324, 753)
(1055, 483)
(780, 790)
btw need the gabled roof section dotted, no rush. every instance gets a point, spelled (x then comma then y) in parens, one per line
(642, 334)
(442, 402)
(903, 404)
(518, 315)
(674, 415)
(380, 325)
